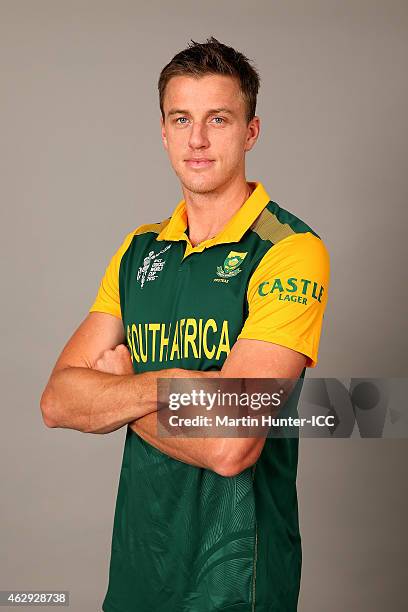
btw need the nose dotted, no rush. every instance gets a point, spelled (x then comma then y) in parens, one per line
(198, 136)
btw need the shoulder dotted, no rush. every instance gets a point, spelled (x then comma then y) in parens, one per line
(151, 228)
(296, 255)
(146, 229)
(305, 247)
(289, 244)
(275, 223)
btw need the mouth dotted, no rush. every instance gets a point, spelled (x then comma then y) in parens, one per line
(199, 163)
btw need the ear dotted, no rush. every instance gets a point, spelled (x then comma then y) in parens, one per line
(253, 130)
(163, 133)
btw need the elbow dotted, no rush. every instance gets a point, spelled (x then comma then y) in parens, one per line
(47, 405)
(228, 470)
(233, 463)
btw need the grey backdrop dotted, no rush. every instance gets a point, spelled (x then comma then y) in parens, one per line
(82, 164)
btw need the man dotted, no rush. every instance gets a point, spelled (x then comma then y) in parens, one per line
(231, 285)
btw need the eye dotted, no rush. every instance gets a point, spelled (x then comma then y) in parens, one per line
(218, 120)
(181, 120)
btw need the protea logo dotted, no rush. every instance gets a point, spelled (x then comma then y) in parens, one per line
(231, 264)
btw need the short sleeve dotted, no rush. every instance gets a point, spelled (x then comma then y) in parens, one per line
(108, 298)
(287, 295)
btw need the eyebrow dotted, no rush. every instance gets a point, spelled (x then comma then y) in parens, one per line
(213, 111)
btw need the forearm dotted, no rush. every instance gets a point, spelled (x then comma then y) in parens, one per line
(97, 402)
(226, 456)
(195, 451)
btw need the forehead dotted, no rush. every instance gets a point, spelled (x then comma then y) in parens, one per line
(204, 92)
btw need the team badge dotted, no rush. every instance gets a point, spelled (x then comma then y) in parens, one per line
(231, 264)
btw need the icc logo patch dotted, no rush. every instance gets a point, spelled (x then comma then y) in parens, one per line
(152, 265)
(231, 264)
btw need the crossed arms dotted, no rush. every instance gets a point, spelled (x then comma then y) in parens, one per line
(92, 388)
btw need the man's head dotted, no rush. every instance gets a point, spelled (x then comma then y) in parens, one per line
(208, 102)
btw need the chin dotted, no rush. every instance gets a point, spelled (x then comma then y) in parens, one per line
(194, 188)
(201, 184)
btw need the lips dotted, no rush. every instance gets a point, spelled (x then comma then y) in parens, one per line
(199, 163)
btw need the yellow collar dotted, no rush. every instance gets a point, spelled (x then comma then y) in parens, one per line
(232, 232)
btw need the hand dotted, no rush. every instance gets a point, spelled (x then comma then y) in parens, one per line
(115, 361)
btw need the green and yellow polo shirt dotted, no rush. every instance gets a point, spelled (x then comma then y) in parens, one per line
(184, 538)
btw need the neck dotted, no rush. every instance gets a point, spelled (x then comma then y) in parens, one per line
(208, 213)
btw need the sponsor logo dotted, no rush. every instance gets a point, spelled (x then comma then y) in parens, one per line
(231, 265)
(292, 289)
(151, 267)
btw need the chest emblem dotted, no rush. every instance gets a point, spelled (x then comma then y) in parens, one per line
(231, 264)
(151, 267)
